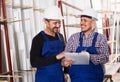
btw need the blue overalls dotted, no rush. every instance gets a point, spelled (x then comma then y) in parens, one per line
(53, 72)
(86, 73)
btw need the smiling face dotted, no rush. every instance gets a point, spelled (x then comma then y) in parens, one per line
(52, 25)
(87, 24)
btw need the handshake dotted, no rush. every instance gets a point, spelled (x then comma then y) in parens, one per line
(82, 58)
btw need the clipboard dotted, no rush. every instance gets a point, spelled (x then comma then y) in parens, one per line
(82, 58)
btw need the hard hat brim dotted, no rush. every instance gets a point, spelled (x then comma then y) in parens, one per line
(87, 17)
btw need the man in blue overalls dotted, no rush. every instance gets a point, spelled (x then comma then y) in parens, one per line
(91, 42)
(47, 49)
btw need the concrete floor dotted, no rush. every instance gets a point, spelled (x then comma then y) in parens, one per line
(116, 78)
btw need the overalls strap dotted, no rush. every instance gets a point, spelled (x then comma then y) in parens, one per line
(45, 37)
(81, 38)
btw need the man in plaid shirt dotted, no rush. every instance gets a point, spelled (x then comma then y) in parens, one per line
(93, 43)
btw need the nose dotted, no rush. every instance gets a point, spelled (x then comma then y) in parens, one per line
(58, 25)
(81, 23)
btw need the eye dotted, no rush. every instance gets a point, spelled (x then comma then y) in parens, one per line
(56, 23)
(83, 20)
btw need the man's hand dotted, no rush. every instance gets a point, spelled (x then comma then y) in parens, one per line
(61, 55)
(67, 62)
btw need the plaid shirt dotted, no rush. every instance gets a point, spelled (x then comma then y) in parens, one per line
(101, 45)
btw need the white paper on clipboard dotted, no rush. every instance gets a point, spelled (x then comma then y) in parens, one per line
(78, 58)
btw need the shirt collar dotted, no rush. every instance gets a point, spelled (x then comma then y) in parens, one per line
(89, 35)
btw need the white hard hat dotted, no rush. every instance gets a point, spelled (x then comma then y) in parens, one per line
(52, 12)
(90, 13)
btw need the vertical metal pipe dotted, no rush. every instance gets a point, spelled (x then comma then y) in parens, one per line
(7, 38)
(0, 43)
(60, 6)
(0, 52)
(91, 4)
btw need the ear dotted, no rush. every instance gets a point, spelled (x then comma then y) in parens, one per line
(45, 21)
(93, 22)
